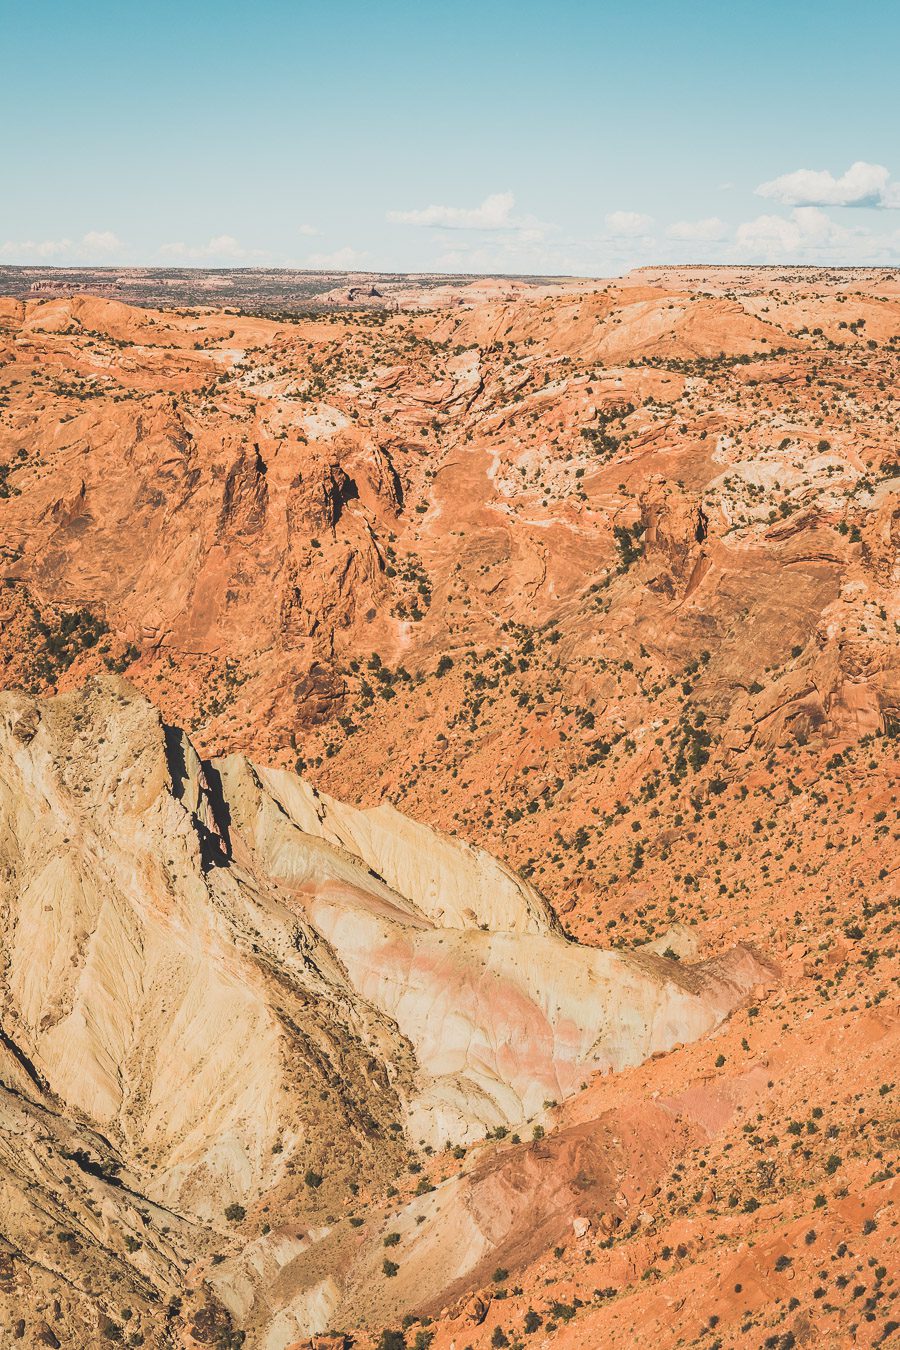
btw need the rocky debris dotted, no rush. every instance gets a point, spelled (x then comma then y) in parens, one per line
(475, 1310)
(211, 1325)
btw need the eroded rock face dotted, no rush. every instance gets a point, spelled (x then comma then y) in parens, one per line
(252, 508)
(143, 885)
(502, 1012)
(599, 576)
(138, 976)
(230, 977)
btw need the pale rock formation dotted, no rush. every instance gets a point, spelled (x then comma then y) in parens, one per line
(220, 975)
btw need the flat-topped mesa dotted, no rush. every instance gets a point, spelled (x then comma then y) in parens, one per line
(172, 924)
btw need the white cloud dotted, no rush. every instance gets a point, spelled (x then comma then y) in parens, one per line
(31, 249)
(628, 224)
(220, 246)
(494, 213)
(500, 254)
(809, 235)
(709, 230)
(341, 260)
(308, 231)
(540, 254)
(806, 234)
(862, 185)
(102, 241)
(93, 247)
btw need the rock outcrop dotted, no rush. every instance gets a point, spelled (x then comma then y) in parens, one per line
(215, 977)
(600, 577)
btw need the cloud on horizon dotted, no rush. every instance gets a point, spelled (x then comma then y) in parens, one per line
(96, 243)
(627, 224)
(341, 259)
(709, 230)
(863, 184)
(494, 213)
(222, 247)
(807, 234)
(492, 237)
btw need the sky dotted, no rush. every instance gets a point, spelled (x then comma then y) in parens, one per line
(580, 137)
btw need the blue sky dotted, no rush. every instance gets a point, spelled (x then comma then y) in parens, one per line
(569, 137)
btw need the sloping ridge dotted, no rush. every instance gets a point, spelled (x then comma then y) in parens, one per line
(230, 979)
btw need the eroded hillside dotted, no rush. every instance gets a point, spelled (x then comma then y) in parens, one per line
(228, 997)
(603, 579)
